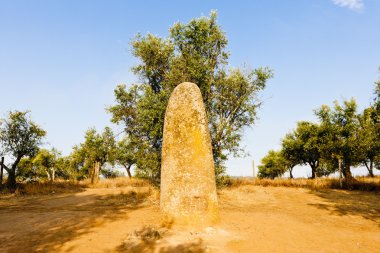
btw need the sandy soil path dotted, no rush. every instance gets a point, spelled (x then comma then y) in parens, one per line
(253, 219)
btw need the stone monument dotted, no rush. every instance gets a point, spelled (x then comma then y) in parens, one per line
(188, 188)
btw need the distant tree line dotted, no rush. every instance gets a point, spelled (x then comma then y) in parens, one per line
(21, 140)
(342, 139)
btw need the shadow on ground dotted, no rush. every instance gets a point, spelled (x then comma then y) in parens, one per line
(149, 239)
(191, 247)
(44, 224)
(351, 203)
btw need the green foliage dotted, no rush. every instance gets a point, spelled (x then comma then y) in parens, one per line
(291, 151)
(76, 163)
(376, 99)
(369, 134)
(110, 173)
(336, 137)
(46, 164)
(194, 52)
(303, 146)
(375, 117)
(64, 168)
(97, 148)
(272, 165)
(342, 135)
(341, 125)
(46, 161)
(126, 154)
(25, 169)
(19, 137)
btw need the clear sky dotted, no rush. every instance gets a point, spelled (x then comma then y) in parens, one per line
(63, 59)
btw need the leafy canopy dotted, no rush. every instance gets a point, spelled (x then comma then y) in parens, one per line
(19, 137)
(194, 52)
(96, 148)
(272, 165)
(341, 123)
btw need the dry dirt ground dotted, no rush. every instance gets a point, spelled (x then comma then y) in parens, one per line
(253, 219)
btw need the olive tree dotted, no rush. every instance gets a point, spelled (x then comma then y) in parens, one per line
(194, 52)
(291, 152)
(19, 137)
(95, 151)
(46, 161)
(272, 165)
(340, 125)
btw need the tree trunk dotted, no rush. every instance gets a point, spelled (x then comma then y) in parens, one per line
(347, 172)
(48, 174)
(97, 170)
(128, 169)
(95, 173)
(11, 182)
(340, 173)
(369, 168)
(90, 172)
(313, 168)
(53, 174)
(291, 172)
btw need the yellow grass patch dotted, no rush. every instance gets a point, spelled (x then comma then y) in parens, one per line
(48, 187)
(360, 183)
(118, 182)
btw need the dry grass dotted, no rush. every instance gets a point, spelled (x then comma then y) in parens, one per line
(48, 187)
(360, 183)
(60, 186)
(118, 182)
(63, 186)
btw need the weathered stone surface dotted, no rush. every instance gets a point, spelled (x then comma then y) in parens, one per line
(188, 189)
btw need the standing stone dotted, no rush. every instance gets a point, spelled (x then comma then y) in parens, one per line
(188, 189)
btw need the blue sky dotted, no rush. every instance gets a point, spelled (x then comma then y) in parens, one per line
(63, 59)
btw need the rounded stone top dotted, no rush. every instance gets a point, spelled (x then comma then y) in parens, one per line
(187, 86)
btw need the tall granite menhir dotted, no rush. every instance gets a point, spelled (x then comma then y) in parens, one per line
(188, 189)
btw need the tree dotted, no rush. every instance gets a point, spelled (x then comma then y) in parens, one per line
(291, 152)
(47, 161)
(194, 52)
(377, 95)
(75, 164)
(376, 118)
(272, 165)
(304, 145)
(369, 139)
(19, 137)
(96, 150)
(340, 126)
(126, 155)
(45, 164)
(369, 133)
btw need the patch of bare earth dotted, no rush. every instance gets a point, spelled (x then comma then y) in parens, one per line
(253, 219)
